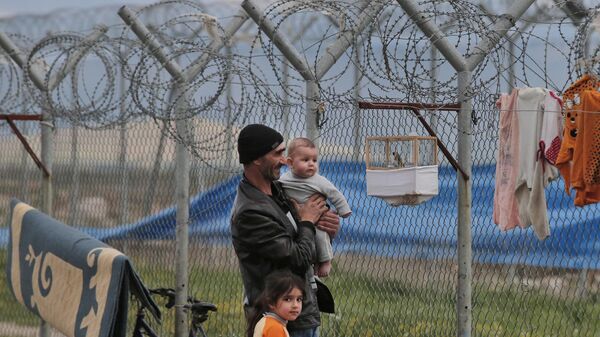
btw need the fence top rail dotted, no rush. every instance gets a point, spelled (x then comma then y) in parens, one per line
(404, 106)
(400, 138)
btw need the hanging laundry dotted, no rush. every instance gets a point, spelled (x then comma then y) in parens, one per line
(575, 158)
(530, 114)
(552, 126)
(585, 173)
(545, 172)
(529, 138)
(506, 214)
(572, 106)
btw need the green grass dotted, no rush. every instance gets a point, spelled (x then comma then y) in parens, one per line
(368, 306)
(10, 309)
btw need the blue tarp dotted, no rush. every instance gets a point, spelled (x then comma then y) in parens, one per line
(427, 230)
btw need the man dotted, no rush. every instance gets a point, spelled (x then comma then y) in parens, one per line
(271, 232)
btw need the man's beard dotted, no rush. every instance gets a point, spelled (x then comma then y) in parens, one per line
(273, 173)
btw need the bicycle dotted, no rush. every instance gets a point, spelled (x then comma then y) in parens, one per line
(199, 312)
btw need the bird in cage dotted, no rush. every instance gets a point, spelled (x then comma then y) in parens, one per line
(397, 159)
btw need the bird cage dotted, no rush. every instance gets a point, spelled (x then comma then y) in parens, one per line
(402, 170)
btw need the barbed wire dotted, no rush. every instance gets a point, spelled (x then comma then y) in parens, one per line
(114, 78)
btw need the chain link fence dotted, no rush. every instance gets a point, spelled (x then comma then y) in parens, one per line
(116, 130)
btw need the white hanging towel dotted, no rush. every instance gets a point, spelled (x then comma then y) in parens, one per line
(538, 112)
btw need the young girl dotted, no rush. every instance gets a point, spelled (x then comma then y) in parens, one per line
(280, 302)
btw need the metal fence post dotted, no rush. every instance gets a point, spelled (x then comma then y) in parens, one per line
(182, 167)
(229, 163)
(123, 165)
(285, 78)
(74, 197)
(47, 140)
(312, 113)
(357, 112)
(182, 157)
(182, 195)
(465, 274)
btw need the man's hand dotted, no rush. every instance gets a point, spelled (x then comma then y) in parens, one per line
(329, 223)
(312, 209)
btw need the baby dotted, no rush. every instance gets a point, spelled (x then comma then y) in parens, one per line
(301, 182)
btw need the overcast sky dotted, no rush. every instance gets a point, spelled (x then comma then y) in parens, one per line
(17, 7)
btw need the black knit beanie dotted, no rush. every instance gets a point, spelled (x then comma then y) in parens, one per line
(256, 140)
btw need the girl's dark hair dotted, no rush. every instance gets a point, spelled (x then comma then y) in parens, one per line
(277, 284)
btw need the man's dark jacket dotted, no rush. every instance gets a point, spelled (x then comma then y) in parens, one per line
(265, 240)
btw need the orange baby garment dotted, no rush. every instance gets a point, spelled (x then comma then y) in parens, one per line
(586, 158)
(572, 105)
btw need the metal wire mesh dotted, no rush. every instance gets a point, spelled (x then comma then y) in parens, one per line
(117, 124)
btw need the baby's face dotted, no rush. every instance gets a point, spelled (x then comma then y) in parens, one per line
(303, 162)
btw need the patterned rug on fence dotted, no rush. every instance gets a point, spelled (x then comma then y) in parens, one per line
(77, 284)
